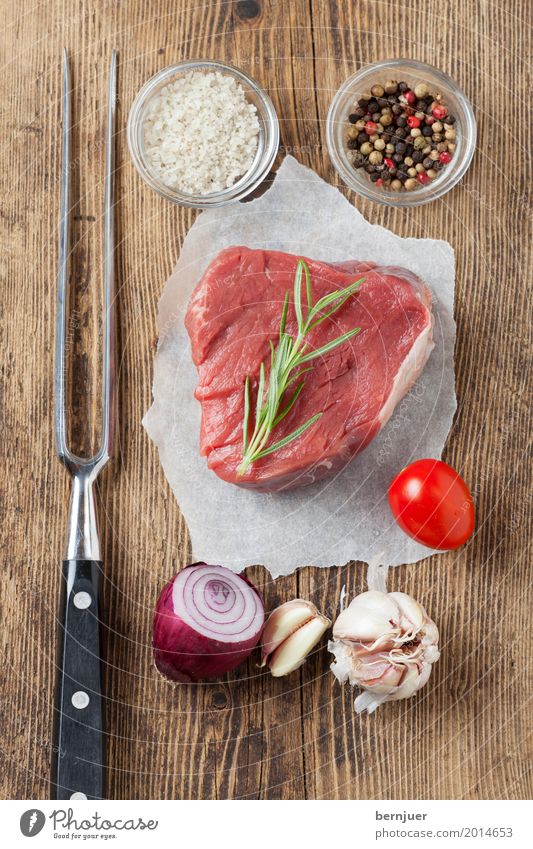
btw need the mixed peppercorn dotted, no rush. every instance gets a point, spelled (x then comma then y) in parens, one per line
(402, 137)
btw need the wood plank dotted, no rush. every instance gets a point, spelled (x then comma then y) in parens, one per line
(251, 736)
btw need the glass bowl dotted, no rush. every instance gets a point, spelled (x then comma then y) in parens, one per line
(268, 138)
(412, 72)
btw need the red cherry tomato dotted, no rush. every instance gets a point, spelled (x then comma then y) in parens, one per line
(432, 504)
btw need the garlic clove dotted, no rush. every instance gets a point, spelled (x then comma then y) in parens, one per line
(283, 621)
(412, 613)
(367, 618)
(294, 649)
(410, 683)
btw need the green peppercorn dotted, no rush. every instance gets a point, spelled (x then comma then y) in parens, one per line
(352, 132)
(377, 91)
(419, 143)
(421, 90)
(366, 148)
(386, 119)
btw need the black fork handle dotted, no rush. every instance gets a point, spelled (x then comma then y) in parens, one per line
(79, 735)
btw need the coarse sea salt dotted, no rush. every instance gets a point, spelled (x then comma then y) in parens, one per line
(201, 133)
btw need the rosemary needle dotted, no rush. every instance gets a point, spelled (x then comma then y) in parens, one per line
(287, 359)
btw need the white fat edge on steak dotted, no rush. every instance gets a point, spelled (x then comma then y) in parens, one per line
(412, 366)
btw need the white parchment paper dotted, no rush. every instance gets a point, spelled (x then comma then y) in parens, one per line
(341, 518)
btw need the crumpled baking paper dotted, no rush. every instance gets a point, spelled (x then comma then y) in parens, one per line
(341, 518)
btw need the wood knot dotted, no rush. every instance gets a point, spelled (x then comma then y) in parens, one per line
(219, 700)
(248, 9)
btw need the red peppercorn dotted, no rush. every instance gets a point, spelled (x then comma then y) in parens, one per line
(423, 178)
(388, 162)
(440, 112)
(370, 127)
(413, 122)
(410, 96)
(430, 120)
(379, 182)
(445, 157)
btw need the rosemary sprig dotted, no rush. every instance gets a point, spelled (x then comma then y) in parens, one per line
(286, 361)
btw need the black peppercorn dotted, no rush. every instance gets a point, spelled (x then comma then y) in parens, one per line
(362, 137)
(403, 86)
(417, 156)
(352, 144)
(427, 163)
(352, 118)
(358, 160)
(397, 109)
(401, 147)
(427, 131)
(374, 177)
(450, 119)
(362, 102)
(401, 121)
(373, 106)
(379, 168)
(370, 168)
(401, 133)
(397, 158)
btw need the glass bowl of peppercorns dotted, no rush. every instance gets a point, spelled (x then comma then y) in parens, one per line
(400, 132)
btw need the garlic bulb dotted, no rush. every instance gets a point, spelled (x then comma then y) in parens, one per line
(386, 644)
(291, 631)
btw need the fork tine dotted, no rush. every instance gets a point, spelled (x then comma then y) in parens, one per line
(108, 375)
(62, 280)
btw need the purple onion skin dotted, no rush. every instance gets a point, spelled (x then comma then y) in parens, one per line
(182, 654)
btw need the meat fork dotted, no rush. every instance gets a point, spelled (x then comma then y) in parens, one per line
(79, 744)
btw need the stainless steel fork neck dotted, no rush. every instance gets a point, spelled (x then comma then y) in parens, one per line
(82, 535)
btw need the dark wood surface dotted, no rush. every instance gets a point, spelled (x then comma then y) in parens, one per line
(466, 734)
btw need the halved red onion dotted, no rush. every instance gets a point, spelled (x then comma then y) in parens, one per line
(207, 621)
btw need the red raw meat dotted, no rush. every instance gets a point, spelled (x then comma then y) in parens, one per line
(233, 313)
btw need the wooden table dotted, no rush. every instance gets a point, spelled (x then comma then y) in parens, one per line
(465, 735)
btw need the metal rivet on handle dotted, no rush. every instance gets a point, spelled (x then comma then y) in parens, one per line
(80, 700)
(82, 600)
(78, 796)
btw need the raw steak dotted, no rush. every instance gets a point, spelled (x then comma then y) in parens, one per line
(233, 313)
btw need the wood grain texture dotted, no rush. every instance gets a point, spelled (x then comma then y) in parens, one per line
(466, 734)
